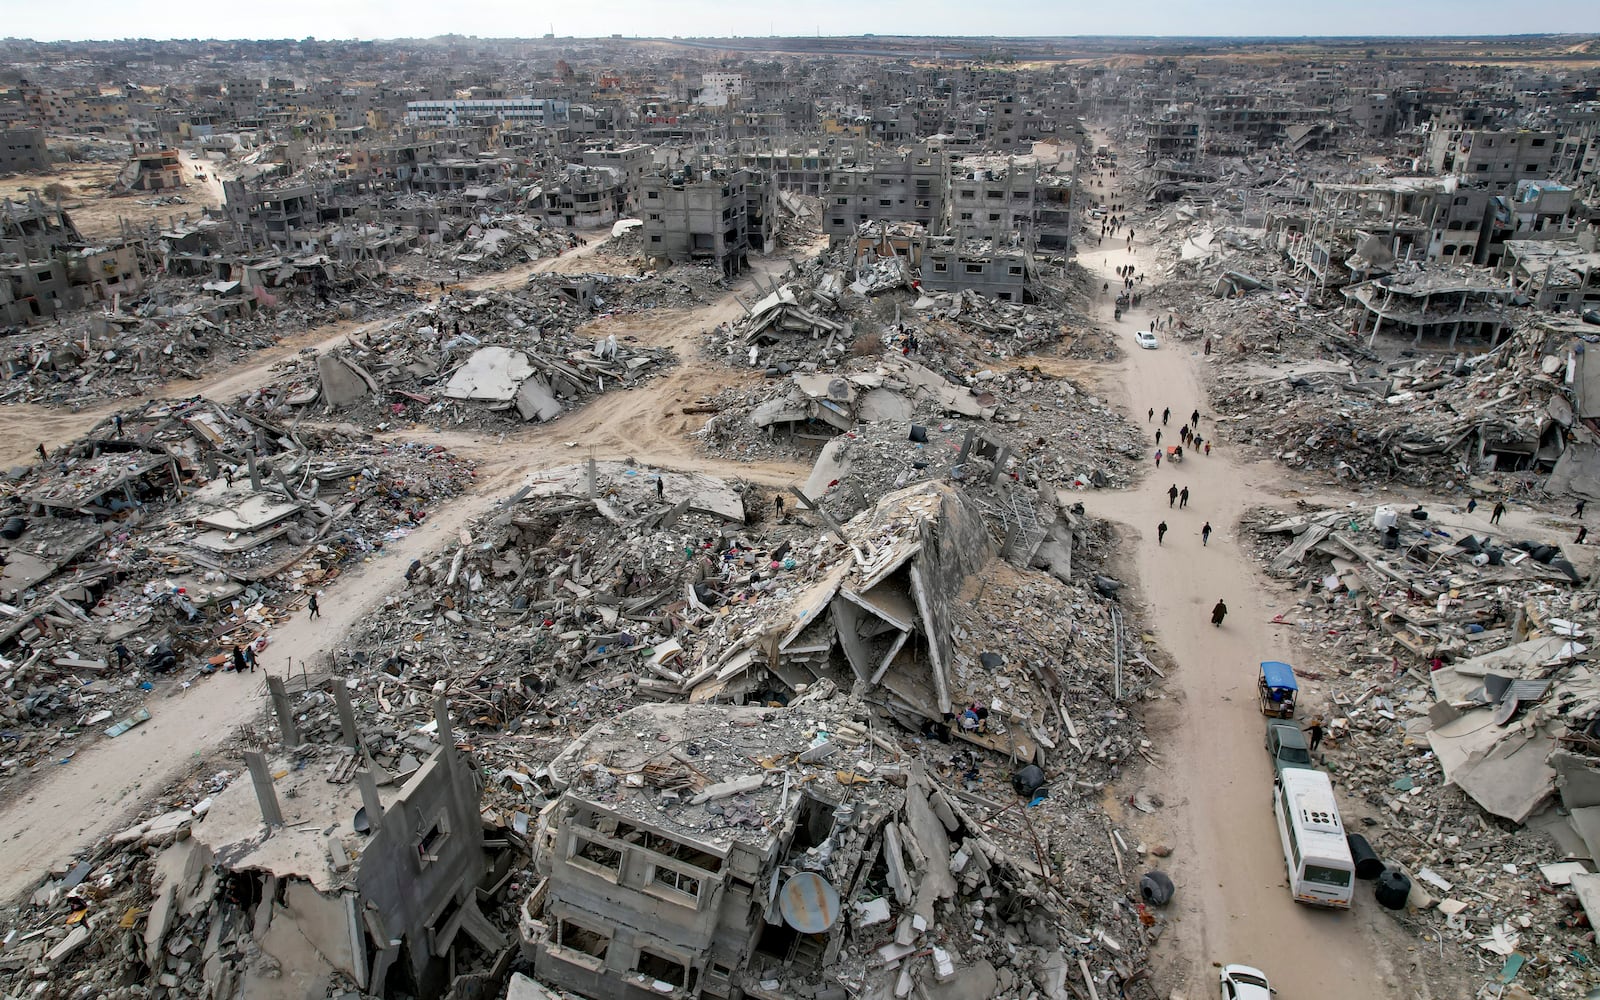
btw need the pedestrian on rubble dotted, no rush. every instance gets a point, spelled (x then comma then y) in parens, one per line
(1583, 532)
(44, 456)
(124, 657)
(1172, 494)
(1499, 510)
(116, 423)
(1218, 613)
(1183, 498)
(1314, 732)
(227, 476)
(1161, 532)
(1578, 510)
(1165, 413)
(778, 502)
(315, 608)
(239, 665)
(1208, 347)
(1472, 505)
(661, 489)
(1205, 533)
(1194, 418)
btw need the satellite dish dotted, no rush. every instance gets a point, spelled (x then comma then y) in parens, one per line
(1505, 711)
(808, 903)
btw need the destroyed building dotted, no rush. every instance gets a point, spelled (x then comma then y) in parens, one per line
(698, 214)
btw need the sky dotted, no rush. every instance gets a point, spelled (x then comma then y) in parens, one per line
(368, 19)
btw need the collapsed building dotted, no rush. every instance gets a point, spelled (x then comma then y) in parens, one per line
(174, 533)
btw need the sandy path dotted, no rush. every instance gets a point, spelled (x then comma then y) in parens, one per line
(1233, 903)
(70, 805)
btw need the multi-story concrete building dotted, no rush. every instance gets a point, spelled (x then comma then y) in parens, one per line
(910, 186)
(585, 197)
(541, 111)
(22, 151)
(715, 215)
(1494, 159)
(649, 891)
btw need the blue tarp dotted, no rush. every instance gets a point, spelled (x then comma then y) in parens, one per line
(1278, 675)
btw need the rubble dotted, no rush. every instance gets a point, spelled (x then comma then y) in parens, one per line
(176, 531)
(1449, 671)
(470, 358)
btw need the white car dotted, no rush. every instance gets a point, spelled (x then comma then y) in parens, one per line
(1240, 982)
(1145, 339)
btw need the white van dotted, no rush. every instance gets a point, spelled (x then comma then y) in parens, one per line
(1321, 871)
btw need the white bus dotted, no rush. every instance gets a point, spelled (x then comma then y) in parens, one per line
(1315, 852)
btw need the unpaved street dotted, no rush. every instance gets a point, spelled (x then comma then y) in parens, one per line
(1233, 903)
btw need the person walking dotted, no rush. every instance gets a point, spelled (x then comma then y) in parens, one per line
(1194, 418)
(1183, 498)
(124, 657)
(1472, 505)
(1583, 532)
(1151, 417)
(1218, 613)
(1172, 494)
(1208, 449)
(1161, 532)
(778, 502)
(661, 488)
(1578, 510)
(44, 456)
(1205, 534)
(1158, 435)
(1158, 458)
(1499, 509)
(238, 660)
(315, 608)
(1207, 347)
(1165, 413)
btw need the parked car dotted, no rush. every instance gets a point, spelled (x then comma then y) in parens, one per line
(1145, 339)
(1286, 744)
(1241, 982)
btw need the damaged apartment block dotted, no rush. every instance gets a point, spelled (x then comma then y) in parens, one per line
(696, 213)
(323, 868)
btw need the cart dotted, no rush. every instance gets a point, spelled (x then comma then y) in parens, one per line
(1277, 689)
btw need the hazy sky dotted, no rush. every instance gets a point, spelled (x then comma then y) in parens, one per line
(519, 18)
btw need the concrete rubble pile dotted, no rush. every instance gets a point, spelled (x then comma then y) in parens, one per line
(590, 593)
(308, 872)
(834, 864)
(1450, 670)
(469, 359)
(815, 316)
(1415, 420)
(184, 531)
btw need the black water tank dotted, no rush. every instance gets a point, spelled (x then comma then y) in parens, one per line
(1392, 889)
(1028, 781)
(1156, 888)
(1368, 865)
(13, 528)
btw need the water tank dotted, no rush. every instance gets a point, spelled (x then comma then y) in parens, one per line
(1392, 889)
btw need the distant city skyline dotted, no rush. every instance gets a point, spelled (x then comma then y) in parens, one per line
(380, 19)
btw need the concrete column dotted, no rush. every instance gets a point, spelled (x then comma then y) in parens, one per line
(369, 798)
(347, 713)
(441, 715)
(589, 481)
(255, 476)
(966, 446)
(266, 795)
(285, 714)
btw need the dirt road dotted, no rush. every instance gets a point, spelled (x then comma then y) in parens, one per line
(72, 803)
(1233, 903)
